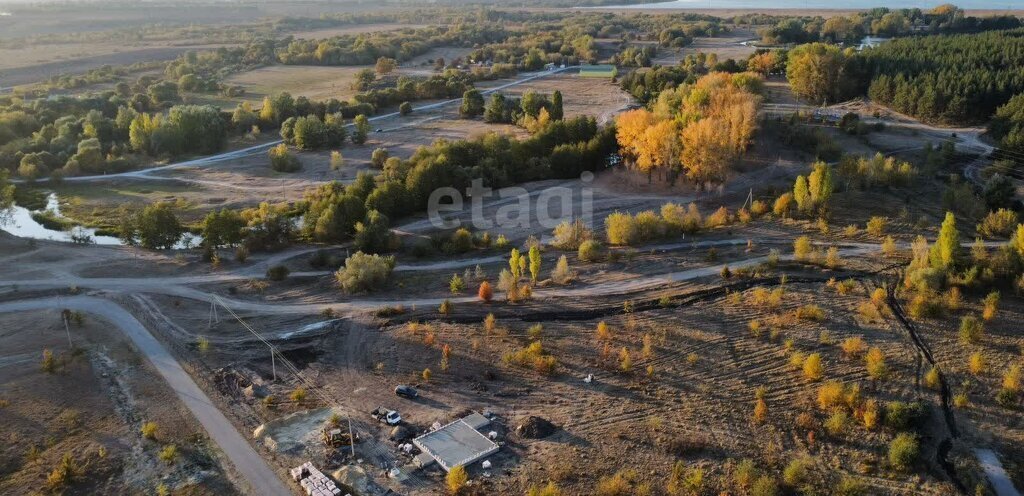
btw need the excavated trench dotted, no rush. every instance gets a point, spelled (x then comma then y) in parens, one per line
(945, 445)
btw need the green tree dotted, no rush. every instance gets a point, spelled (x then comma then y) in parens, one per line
(816, 72)
(556, 112)
(405, 108)
(802, 194)
(495, 111)
(472, 103)
(158, 226)
(819, 183)
(362, 129)
(223, 228)
(372, 235)
(534, 262)
(282, 160)
(945, 251)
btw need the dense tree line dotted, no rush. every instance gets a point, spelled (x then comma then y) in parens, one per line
(401, 45)
(953, 78)
(361, 210)
(646, 84)
(944, 19)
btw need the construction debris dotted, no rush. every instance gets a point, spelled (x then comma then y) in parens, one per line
(313, 481)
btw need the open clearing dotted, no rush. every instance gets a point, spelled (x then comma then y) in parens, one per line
(93, 407)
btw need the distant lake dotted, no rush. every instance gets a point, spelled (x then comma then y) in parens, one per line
(822, 4)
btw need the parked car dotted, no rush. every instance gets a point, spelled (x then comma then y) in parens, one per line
(406, 391)
(389, 417)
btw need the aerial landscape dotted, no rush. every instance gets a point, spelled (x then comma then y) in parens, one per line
(534, 247)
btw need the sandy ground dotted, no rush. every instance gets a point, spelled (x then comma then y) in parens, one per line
(726, 46)
(93, 408)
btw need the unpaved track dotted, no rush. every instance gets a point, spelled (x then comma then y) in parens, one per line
(263, 147)
(261, 479)
(995, 472)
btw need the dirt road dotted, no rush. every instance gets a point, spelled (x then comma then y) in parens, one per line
(263, 147)
(997, 476)
(252, 467)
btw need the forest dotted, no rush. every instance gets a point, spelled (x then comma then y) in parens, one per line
(948, 78)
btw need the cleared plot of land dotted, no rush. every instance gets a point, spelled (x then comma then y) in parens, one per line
(313, 82)
(726, 46)
(357, 29)
(92, 407)
(581, 96)
(447, 53)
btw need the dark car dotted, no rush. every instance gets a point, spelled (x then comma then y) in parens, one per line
(406, 391)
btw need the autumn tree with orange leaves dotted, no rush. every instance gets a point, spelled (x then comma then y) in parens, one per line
(699, 130)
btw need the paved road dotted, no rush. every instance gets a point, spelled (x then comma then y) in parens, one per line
(252, 467)
(997, 476)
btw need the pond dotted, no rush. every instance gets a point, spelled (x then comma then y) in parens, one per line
(23, 225)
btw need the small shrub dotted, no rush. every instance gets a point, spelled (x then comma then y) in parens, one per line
(760, 411)
(456, 284)
(998, 224)
(813, 368)
(282, 160)
(848, 486)
(901, 416)
(149, 430)
(810, 312)
(832, 258)
(977, 364)
(876, 226)
(445, 308)
(903, 451)
(854, 346)
(426, 375)
(765, 485)
(485, 293)
(851, 230)
(456, 478)
(954, 299)
(278, 273)
(562, 274)
(871, 414)
(796, 472)
(591, 251)
(837, 424)
(830, 395)
(932, 378)
(535, 331)
(875, 363)
(298, 395)
(49, 363)
(889, 246)
(1012, 379)
(570, 236)
(971, 329)
(991, 303)
(803, 249)
(169, 454)
(364, 272)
